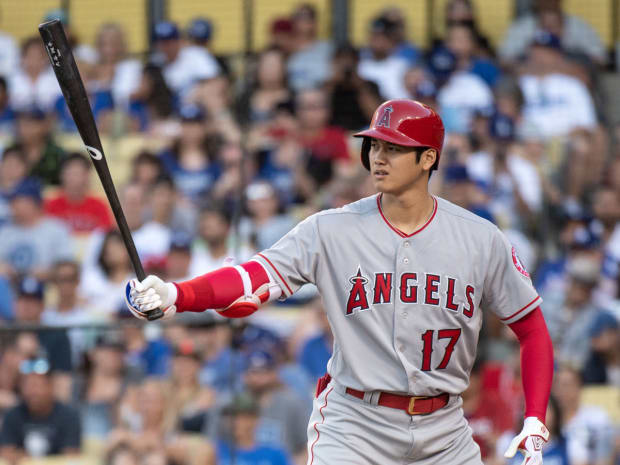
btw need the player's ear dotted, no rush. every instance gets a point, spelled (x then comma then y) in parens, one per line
(428, 159)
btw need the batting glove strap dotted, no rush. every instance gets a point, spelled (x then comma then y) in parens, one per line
(150, 294)
(529, 442)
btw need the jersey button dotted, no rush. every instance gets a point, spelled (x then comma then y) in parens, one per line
(404, 314)
(405, 260)
(406, 244)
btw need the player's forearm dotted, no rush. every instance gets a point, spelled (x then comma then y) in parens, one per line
(225, 288)
(536, 362)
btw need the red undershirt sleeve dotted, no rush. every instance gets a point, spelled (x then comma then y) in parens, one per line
(217, 289)
(536, 362)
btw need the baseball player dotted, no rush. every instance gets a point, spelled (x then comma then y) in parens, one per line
(405, 277)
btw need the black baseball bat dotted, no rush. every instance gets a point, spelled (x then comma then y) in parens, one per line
(72, 87)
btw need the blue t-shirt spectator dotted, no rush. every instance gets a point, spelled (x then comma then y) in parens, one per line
(100, 102)
(258, 455)
(193, 184)
(315, 354)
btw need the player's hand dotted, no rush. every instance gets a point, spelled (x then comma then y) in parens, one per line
(151, 293)
(529, 441)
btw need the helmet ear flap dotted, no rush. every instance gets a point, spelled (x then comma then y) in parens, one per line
(365, 153)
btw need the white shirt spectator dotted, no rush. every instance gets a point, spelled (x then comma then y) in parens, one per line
(388, 74)
(556, 104)
(460, 97)
(41, 93)
(193, 64)
(591, 426)
(127, 76)
(104, 298)
(9, 55)
(203, 262)
(152, 240)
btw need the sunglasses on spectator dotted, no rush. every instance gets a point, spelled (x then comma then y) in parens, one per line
(38, 366)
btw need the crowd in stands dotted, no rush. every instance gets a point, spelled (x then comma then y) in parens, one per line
(238, 152)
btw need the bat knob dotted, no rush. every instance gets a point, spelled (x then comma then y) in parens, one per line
(155, 314)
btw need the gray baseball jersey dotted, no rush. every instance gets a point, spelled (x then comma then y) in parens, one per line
(405, 309)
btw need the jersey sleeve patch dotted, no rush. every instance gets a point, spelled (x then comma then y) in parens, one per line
(518, 264)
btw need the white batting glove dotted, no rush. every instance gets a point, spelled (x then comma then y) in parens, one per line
(529, 441)
(151, 293)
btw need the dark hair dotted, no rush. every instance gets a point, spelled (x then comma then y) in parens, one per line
(3, 83)
(112, 234)
(164, 180)
(218, 209)
(75, 157)
(14, 150)
(161, 97)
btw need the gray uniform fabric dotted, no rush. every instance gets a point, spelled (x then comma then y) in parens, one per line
(405, 310)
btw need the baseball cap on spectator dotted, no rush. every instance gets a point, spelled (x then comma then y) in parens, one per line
(165, 30)
(180, 241)
(602, 322)
(383, 25)
(29, 187)
(57, 13)
(30, 286)
(281, 26)
(260, 360)
(442, 63)
(192, 112)
(200, 30)
(456, 173)
(544, 38)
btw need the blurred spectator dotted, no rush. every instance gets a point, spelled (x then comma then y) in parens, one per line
(191, 161)
(199, 35)
(281, 35)
(404, 48)
(317, 349)
(9, 54)
(114, 69)
(53, 344)
(7, 114)
(462, 12)
(34, 82)
(282, 420)
(152, 104)
(101, 103)
(265, 224)
(555, 102)
(213, 246)
(190, 405)
(558, 450)
(461, 41)
(326, 145)
(84, 54)
(576, 35)
(569, 322)
(603, 363)
(80, 211)
(485, 412)
(308, 65)
(243, 416)
(39, 426)
(269, 87)
(459, 189)
(35, 139)
(146, 169)
(353, 99)
(167, 209)
(380, 64)
(32, 242)
(145, 429)
(182, 65)
(103, 386)
(103, 283)
(69, 310)
(179, 258)
(13, 170)
(589, 426)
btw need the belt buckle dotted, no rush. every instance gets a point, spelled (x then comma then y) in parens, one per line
(410, 409)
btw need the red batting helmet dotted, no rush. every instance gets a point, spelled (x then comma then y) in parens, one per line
(404, 122)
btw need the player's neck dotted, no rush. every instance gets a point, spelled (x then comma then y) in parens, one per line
(409, 210)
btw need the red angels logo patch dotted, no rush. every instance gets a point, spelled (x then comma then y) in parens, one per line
(518, 265)
(357, 294)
